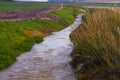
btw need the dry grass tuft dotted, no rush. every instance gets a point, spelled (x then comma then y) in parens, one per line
(97, 45)
(32, 33)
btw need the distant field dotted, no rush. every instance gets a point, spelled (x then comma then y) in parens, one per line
(95, 4)
(11, 6)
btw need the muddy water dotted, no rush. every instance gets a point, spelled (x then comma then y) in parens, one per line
(48, 60)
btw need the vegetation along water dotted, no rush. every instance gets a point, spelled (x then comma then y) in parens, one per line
(96, 52)
(19, 36)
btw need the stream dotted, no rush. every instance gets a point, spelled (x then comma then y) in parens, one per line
(48, 60)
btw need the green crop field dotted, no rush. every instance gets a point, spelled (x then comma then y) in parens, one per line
(11, 6)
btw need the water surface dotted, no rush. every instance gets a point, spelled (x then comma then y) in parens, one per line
(48, 60)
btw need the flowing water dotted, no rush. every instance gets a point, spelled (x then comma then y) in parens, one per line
(48, 60)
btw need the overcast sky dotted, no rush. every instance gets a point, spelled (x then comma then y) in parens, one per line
(33, 0)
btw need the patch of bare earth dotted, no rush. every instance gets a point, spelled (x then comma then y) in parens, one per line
(30, 14)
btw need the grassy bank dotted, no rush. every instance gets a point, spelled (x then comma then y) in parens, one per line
(96, 55)
(18, 37)
(67, 15)
(11, 6)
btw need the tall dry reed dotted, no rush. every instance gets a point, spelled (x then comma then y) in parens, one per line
(97, 45)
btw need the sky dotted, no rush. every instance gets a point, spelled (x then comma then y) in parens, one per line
(33, 0)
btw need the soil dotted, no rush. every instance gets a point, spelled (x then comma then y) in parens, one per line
(30, 14)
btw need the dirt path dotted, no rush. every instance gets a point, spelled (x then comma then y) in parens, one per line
(48, 60)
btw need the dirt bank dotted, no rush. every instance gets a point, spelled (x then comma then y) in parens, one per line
(30, 14)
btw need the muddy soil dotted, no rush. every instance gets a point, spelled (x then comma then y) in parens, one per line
(30, 14)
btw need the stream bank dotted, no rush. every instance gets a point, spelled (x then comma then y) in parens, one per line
(48, 60)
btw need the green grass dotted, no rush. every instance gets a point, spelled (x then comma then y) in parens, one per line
(19, 37)
(11, 6)
(67, 15)
(97, 46)
(15, 37)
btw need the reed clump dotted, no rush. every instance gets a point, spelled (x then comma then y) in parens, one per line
(96, 54)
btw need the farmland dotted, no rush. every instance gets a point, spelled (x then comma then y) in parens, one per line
(96, 41)
(94, 4)
(17, 37)
(11, 6)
